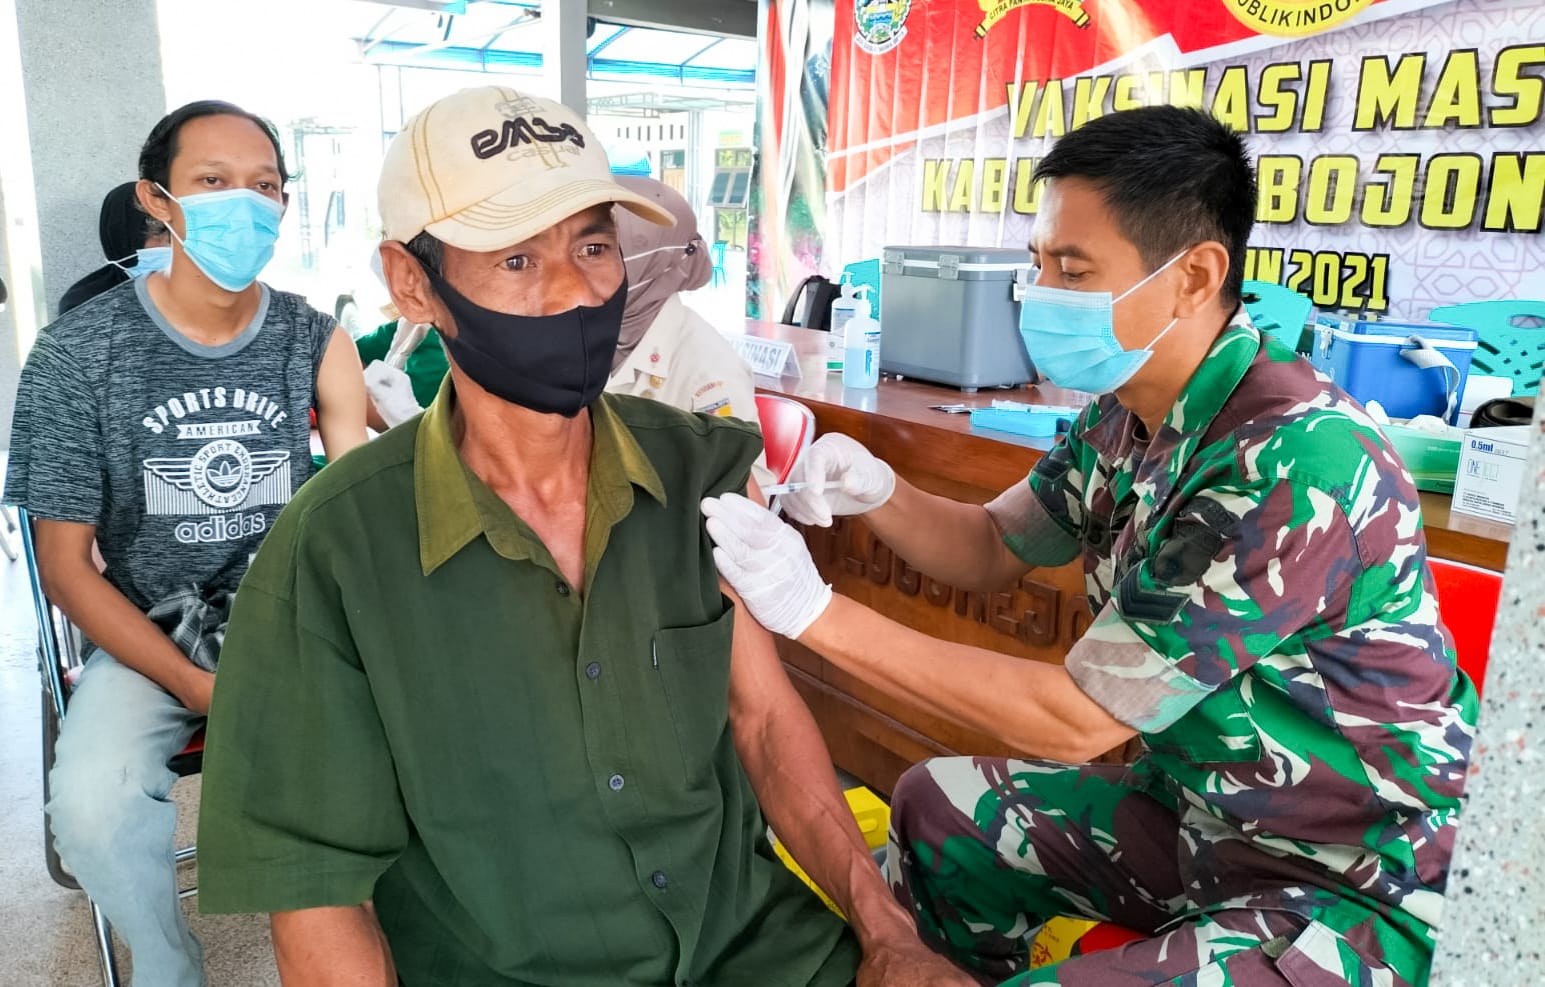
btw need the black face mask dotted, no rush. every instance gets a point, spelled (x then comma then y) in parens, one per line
(555, 364)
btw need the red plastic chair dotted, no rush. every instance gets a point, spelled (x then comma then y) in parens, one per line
(1467, 602)
(788, 428)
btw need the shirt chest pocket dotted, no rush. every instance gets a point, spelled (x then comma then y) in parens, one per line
(1218, 730)
(693, 664)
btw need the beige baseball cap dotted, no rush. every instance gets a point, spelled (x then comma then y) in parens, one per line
(489, 167)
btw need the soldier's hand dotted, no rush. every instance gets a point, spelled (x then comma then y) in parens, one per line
(767, 563)
(844, 478)
(910, 965)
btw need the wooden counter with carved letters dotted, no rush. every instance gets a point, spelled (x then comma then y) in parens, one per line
(871, 735)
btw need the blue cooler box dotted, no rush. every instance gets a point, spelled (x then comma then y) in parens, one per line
(1364, 359)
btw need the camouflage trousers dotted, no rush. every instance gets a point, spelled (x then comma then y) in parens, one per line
(983, 850)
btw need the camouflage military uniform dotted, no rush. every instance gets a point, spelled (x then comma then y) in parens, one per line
(1267, 622)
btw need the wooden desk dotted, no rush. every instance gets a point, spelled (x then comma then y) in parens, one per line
(871, 735)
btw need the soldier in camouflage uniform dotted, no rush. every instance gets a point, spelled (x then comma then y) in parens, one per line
(1265, 622)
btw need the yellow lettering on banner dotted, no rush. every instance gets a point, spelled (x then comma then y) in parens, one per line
(1315, 95)
(994, 177)
(1050, 118)
(1089, 98)
(1021, 101)
(1264, 264)
(1525, 93)
(1231, 103)
(1027, 192)
(1332, 192)
(1457, 97)
(1384, 96)
(1451, 191)
(1517, 201)
(1125, 96)
(1277, 177)
(1188, 88)
(965, 182)
(1388, 205)
(1272, 95)
(936, 172)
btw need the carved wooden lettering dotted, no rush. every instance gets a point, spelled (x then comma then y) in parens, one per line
(936, 592)
(822, 543)
(1076, 619)
(972, 606)
(855, 539)
(908, 580)
(880, 556)
(1038, 624)
(1000, 614)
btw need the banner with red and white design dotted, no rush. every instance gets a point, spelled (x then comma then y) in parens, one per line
(1399, 143)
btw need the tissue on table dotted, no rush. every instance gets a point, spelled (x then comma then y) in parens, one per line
(1430, 450)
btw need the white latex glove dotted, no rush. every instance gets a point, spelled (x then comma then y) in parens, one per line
(405, 339)
(391, 392)
(844, 477)
(767, 563)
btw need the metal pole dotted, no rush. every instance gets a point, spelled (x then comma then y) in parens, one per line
(563, 52)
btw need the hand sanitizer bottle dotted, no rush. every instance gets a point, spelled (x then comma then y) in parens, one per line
(861, 352)
(843, 311)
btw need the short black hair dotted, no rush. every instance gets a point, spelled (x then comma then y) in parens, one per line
(155, 158)
(1171, 177)
(428, 250)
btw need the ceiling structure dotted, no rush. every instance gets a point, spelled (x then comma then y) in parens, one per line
(689, 42)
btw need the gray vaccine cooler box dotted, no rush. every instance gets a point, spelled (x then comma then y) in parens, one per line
(949, 315)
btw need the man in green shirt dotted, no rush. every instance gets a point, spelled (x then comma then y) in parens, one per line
(485, 715)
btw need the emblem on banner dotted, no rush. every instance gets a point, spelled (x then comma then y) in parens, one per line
(994, 11)
(881, 24)
(1293, 18)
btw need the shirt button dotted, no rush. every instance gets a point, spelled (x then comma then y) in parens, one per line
(658, 879)
(563, 588)
(616, 782)
(593, 670)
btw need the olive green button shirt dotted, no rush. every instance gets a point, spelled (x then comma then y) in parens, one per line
(535, 786)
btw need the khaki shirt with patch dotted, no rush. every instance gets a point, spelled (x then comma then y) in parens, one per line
(683, 361)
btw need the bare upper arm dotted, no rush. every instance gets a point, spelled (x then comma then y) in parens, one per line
(63, 548)
(340, 396)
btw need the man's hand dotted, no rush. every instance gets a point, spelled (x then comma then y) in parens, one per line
(197, 690)
(909, 964)
(767, 563)
(391, 392)
(844, 477)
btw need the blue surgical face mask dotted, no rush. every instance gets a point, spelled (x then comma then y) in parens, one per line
(230, 234)
(149, 261)
(1071, 336)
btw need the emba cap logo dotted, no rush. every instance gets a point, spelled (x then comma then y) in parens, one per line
(880, 24)
(522, 126)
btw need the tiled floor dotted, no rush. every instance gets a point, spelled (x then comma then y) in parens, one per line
(45, 931)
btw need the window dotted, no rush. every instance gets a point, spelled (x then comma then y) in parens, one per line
(731, 188)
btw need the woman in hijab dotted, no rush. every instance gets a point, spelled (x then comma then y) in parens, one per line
(667, 351)
(133, 243)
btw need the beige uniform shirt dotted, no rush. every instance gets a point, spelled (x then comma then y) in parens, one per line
(684, 362)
